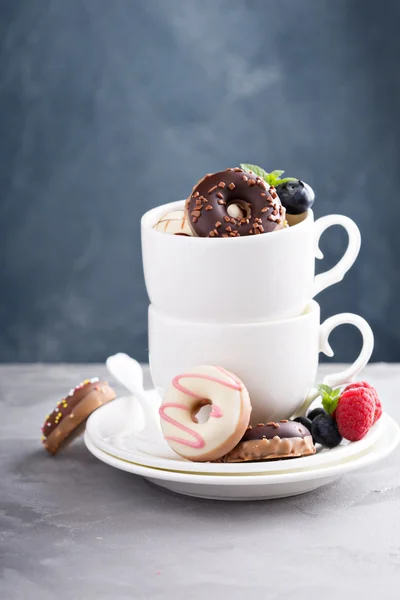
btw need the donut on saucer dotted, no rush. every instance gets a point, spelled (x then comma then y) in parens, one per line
(73, 410)
(286, 439)
(228, 419)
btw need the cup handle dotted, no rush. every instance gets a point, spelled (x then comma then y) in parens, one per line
(347, 375)
(336, 273)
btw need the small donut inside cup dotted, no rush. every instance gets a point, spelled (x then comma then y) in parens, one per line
(233, 203)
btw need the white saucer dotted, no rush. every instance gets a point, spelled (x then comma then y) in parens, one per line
(114, 429)
(257, 486)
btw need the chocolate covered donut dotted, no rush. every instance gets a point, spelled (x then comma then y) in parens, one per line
(207, 206)
(73, 410)
(286, 439)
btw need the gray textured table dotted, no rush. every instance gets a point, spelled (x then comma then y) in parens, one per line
(73, 528)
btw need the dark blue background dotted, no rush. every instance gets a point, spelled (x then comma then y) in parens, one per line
(110, 108)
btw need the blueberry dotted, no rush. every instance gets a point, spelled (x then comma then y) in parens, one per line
(296, 196)
(315, 413)
(304, 421)
(324, 431)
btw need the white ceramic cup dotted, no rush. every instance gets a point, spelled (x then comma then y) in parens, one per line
(277, 361)
(247, 279)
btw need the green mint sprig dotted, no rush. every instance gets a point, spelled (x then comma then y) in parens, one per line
(330, 397)
(273, 178)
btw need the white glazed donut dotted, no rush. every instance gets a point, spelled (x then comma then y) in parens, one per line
(174, 222)
(227, 421)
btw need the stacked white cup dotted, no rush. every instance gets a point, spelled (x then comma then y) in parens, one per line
(246, 304)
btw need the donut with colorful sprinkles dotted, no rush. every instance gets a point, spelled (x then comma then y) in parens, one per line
(73, 410)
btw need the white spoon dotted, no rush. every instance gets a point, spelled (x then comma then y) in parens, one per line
(130, 374)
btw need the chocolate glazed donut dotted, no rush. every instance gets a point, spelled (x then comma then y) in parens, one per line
(207, 206)
(73, 410)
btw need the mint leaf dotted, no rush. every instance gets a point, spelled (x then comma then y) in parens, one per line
(286, 179)
(271, 178)
(330, 404)
(277, 173)
(324, 389)
(330, 397)
(256, 170)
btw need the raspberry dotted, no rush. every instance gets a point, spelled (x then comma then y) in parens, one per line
(355, 413)
(365, 384)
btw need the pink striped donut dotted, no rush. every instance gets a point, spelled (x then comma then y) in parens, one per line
(227, 422)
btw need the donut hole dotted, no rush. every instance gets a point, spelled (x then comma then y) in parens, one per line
(201, 411)
(239, 209)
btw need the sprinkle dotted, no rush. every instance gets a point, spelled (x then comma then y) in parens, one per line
(245, 178)
(212, 189)
(222, 184)
(209, 207)
(219, 195)
(231, 186)
(195, 194)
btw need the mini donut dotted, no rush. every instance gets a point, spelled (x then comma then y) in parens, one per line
(73, 410)
(286, 439)
(227, 421)
(174, 222)
(207, 206)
